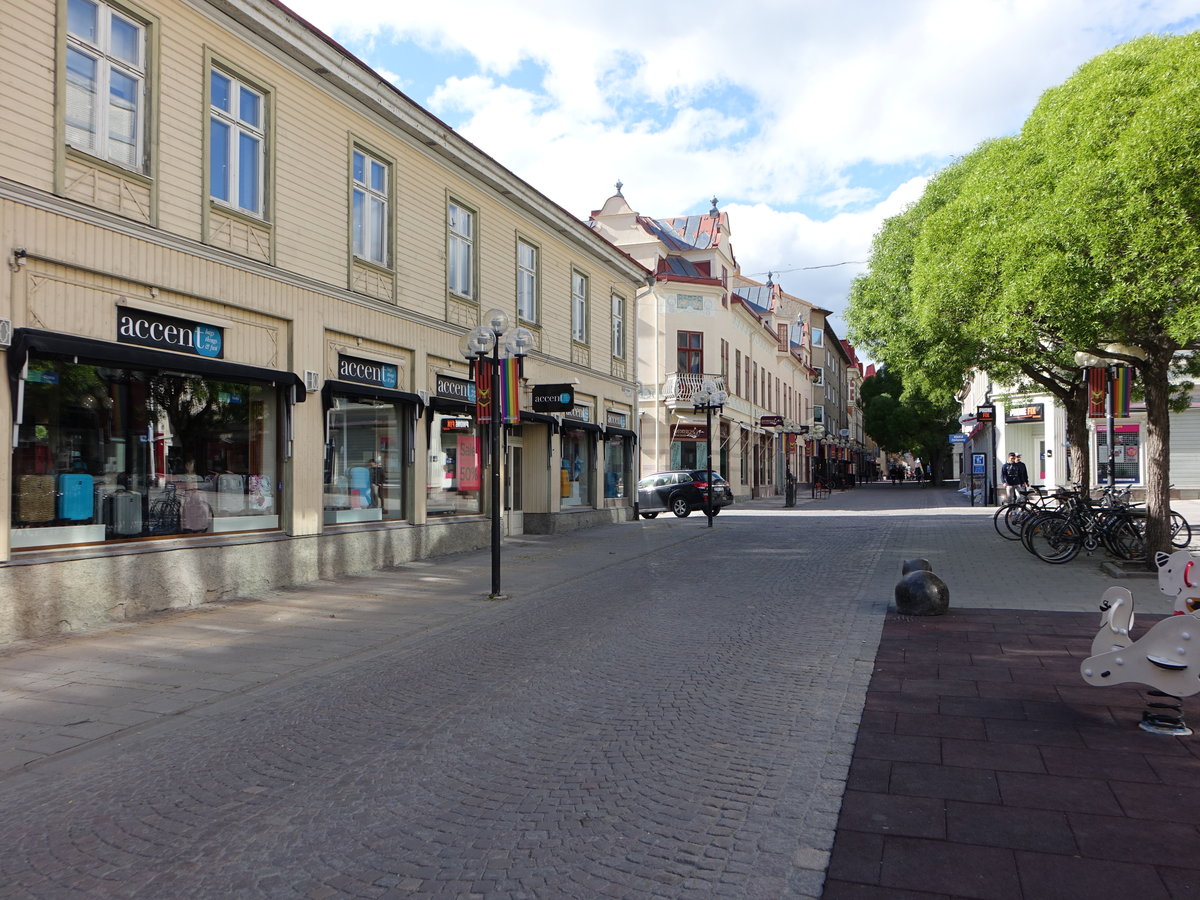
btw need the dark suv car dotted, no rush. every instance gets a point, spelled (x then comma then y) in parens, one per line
(682, 492)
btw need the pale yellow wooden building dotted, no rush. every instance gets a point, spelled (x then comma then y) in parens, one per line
(240, 268)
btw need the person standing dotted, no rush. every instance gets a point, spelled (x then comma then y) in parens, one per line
(1015, 476)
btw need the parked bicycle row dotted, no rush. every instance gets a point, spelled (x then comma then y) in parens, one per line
(1056, 525)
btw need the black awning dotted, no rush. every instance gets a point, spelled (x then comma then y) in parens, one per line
(371, 392)
(539, 419)
(52, 343)
(449, 405)
(581, 425)
(611, 431)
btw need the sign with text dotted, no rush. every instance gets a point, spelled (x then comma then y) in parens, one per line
(161, 332)
(553, 398)
(958, 438)
(1034, 412)
(365, 371)
(455, 388)
(770, 421)
(978, 463)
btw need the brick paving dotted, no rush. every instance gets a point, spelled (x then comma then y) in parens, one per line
(986, 768)
(659, 710)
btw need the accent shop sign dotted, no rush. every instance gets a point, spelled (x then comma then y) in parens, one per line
(365, 371)
(168, 333)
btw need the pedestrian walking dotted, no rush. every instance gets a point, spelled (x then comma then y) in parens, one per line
(1014, 475)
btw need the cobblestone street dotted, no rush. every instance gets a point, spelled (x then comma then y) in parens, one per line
(659, 710)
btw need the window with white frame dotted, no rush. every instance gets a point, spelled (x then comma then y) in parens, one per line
(236, 143)
(461, 251)
(820, 376)
(818, 337)
(618, 326)
(527, 281)
(106, 83)
(818, 415)
(579, 307)
(369, 202)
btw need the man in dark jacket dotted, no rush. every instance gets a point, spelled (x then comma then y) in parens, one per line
(1014, 475)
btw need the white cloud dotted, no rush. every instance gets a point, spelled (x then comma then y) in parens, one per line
(775, 106)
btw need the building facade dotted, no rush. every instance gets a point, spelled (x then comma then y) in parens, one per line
(240, 271)
(704, 320)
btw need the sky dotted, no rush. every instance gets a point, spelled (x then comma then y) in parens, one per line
(810, 121)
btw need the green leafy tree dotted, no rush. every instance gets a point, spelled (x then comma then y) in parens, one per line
(1080, 233)
(913, 425)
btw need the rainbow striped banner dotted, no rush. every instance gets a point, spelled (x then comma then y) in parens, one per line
(1122, 391)
(510, 390)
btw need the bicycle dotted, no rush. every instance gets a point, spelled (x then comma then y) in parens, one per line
(1057, 537)
(1010, 516)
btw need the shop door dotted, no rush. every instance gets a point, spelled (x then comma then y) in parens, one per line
(514, 512)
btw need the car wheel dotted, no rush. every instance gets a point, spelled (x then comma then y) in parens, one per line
(649, 515)
(679, 506)
(716, 509)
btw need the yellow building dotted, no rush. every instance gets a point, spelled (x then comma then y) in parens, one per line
(241, 268)
(704, 320)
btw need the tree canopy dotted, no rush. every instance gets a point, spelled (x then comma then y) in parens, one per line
(1080, 233)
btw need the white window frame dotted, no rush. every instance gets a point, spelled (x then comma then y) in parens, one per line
(820, 379)
(96, 138)
(367, 243)
(818, 337)
(240, 131)
(527, 281)
(818, 415)
(618, 326)
(460, 252)
(579, 307)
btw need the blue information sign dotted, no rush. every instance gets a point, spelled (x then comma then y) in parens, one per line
(978, 464)
(958, 438)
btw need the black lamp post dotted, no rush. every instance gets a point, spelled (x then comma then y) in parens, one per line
(817, 434)
(481, 347)
(708, 397)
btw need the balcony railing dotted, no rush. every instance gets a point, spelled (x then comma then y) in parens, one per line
(680, 386)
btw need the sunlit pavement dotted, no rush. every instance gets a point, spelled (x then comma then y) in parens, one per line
(660, 709)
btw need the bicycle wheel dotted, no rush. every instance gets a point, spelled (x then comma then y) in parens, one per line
(1055, 539)
(1181, 531)
(1000, 521)
(1125, 538)
(1030, 522)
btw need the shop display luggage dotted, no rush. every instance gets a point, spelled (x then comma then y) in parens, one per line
(194, 512)
(124, 510)
(231, 495)
(360, 487)
(35, 498)
(76, 500)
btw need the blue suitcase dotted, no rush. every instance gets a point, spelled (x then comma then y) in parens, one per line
(76, 497)
(360, 487)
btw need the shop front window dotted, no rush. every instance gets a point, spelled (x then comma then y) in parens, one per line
(616, 468)
(689, 455)
(109, 453)
(1126, 457)
(577, 467)
(453, 481)
(364, 461)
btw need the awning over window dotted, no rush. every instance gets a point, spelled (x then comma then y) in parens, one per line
(581, 425)
(353, 389)
(612, 431)
(533, 418)
(51, 343)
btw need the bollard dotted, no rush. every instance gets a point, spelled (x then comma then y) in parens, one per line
(921, 593)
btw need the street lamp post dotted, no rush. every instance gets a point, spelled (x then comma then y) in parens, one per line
(817, 434)
(479, 342)
(1090, 361)
(708, 397)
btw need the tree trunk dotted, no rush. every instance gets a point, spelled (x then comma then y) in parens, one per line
(1157, 387)
(1075, 407)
